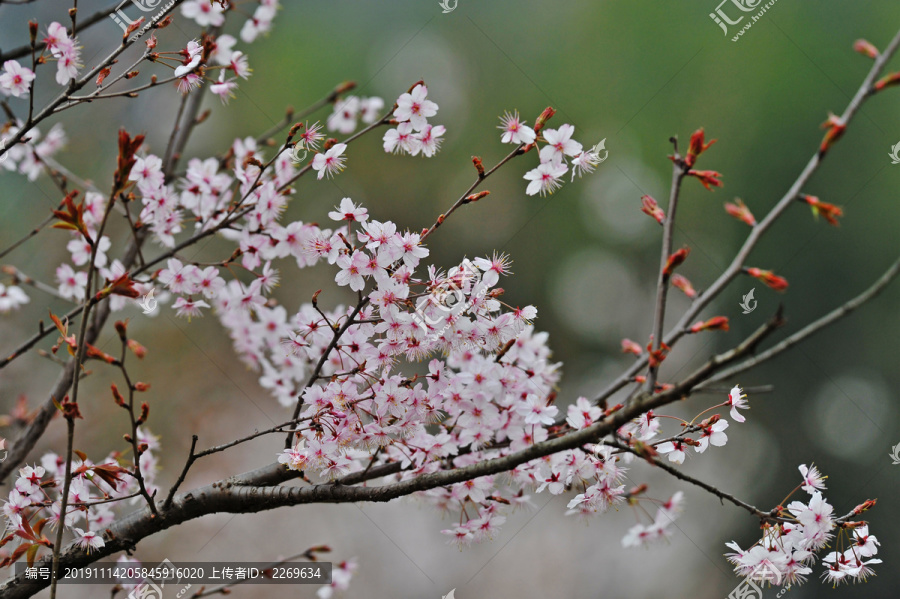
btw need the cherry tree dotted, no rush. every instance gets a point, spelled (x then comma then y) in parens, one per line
(429, 384)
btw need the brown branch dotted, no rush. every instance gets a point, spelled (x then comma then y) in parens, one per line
(864, 92)
(814, 327)
(662, 285)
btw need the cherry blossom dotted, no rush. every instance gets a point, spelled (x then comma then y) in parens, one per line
(15, 79)
(515, 131)
(415, 107)
(204, 13)
(545, 178)
(11, 297)
(349, 211)
(331, 162)
(193, 55)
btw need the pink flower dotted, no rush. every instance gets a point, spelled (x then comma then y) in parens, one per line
(260, 22)
(737, 400)
(514, 130)
(16, 79)
(203, 12)
(430, 139)
(330, 162)
(402, 138)
(81, 251)
(71, 283)
(674, 449)
(714, 435)
(88, 540)
(189, 307)
(223, 49)
(311, 136)
(498, 265)
(349, 211)
(147, 172)
(812, 478)
(343, 118)
(223, 88)
(536, 411)
(239, 64)
(559, 143)
(369, 109)
(179, 278)
(545, 178)
(351, 270)
(193, 55)
(11, 298)
(415, 107)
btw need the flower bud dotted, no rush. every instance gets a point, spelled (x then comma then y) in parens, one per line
(769, 278)
(543, 118)
(630, 347)
(120, 401)
(865, 48)
(141, 386)
(479, 166)
(680, 282)
(740, 211)
(696, 147)
(145, 412)
(675, 260)
(476, 196)
(651, 208)
(829, 212)
(707, 178)
(717, 323)
(139, 350)
(836, 128)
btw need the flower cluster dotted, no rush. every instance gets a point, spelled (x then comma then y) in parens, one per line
(36, 498)
(414, 134)
(554, 157)
(66, 52)
(28, 158)
(348, 111)
(787, 550)
(11, 297)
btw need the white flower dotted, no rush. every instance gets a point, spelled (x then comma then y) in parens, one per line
(330, 162)
(204, 12)
(545, 178)
(16, 79)
(415, 107)
(194, 53)
(536, 411)
(514, 130)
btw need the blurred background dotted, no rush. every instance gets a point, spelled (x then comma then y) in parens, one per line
(634, 73)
